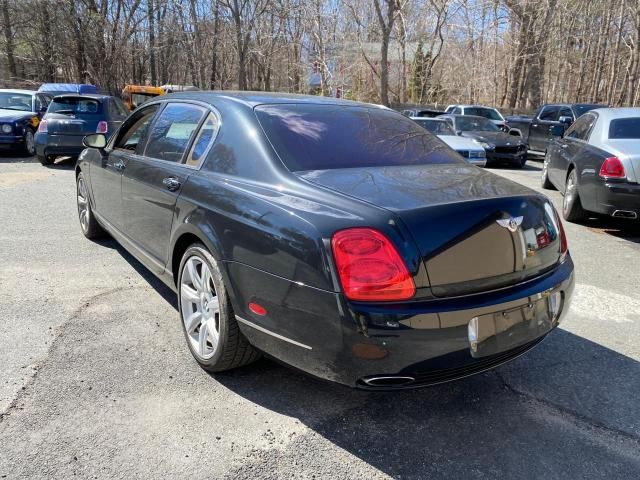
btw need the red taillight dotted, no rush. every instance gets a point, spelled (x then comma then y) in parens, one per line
(42, 128)
(257, 309)
(564, 245)
(369, 266)
(612, 168)
(102, 127)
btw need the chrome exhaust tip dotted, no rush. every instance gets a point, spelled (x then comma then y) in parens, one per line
(388, 381)
(625, 214)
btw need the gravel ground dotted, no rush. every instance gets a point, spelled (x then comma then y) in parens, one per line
(97, 381)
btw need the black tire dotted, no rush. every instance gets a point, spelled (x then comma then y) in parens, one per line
(233, 350)
(572, 210)
(544, 176)
(45, 160)
(522, 162)
(29, 145)
(88, 223)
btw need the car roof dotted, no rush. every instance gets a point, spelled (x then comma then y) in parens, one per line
(608, 114)
(82, 95)
(477, 106)
(17, 90)
(428, 119)
(252, 99)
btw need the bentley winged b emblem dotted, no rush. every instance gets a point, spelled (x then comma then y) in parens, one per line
(511, 223)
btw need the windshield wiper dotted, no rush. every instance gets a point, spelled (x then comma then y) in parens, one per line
(12, 108)
(64, 112)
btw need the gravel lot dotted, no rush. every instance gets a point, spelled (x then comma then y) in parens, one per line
(97, 381)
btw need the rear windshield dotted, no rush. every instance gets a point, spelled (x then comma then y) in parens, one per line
(489, 113)
(74, 105)
(319, 137)
(624, 128)
(437, 127)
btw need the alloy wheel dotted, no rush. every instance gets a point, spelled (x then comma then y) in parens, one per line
(569, 193)
(83, 205)
(200, 307)
(29, 142)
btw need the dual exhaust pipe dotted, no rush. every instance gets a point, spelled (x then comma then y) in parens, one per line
(630, 214)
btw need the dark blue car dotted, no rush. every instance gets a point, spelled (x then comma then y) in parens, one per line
(20, 113)
(71, 117)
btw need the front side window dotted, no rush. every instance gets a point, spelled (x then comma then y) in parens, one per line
(549, 114)
(132, 134)
(171, 133)
(204, 140)
(319, 137)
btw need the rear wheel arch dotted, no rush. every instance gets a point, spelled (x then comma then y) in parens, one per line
(183, 241)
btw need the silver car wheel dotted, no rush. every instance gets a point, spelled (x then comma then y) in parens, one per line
(29, 142)
(569, 193)
(83, 205)
(200, 307)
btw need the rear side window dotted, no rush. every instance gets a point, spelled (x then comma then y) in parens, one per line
(172, 131)
(625, 128)
(437, 127)
(204, 140)
(75, 105)
(319, 137)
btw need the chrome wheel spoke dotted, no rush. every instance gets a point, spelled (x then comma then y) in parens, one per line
(193, 274)
(202, 339)
(192, 322)
(205, 279)
(189, 294)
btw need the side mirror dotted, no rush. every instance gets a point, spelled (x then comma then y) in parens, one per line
(95, 140)
(565, 120)
(558, 130)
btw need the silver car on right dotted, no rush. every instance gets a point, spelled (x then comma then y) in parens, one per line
(596, 165)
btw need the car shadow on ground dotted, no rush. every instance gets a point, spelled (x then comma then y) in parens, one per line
(540, 416)
(624, 229)
(61, 163)
(566, 409)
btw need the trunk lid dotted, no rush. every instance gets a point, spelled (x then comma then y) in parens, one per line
(459, 217)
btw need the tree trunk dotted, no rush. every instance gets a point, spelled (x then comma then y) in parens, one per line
(8, 39)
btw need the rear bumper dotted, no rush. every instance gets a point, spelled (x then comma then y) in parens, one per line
(426, 341)
(69, 145)
(614, 197)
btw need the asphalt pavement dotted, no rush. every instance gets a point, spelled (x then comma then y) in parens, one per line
(96, 380)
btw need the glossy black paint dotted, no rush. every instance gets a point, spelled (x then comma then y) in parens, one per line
(271, 230)
(545, 124)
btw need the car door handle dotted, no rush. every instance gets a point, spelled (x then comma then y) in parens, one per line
(119, 165)
(171, 183)
(564, 145)
(534, 125)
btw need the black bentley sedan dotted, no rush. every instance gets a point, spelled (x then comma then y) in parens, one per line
(338, 237)
(500, 147)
